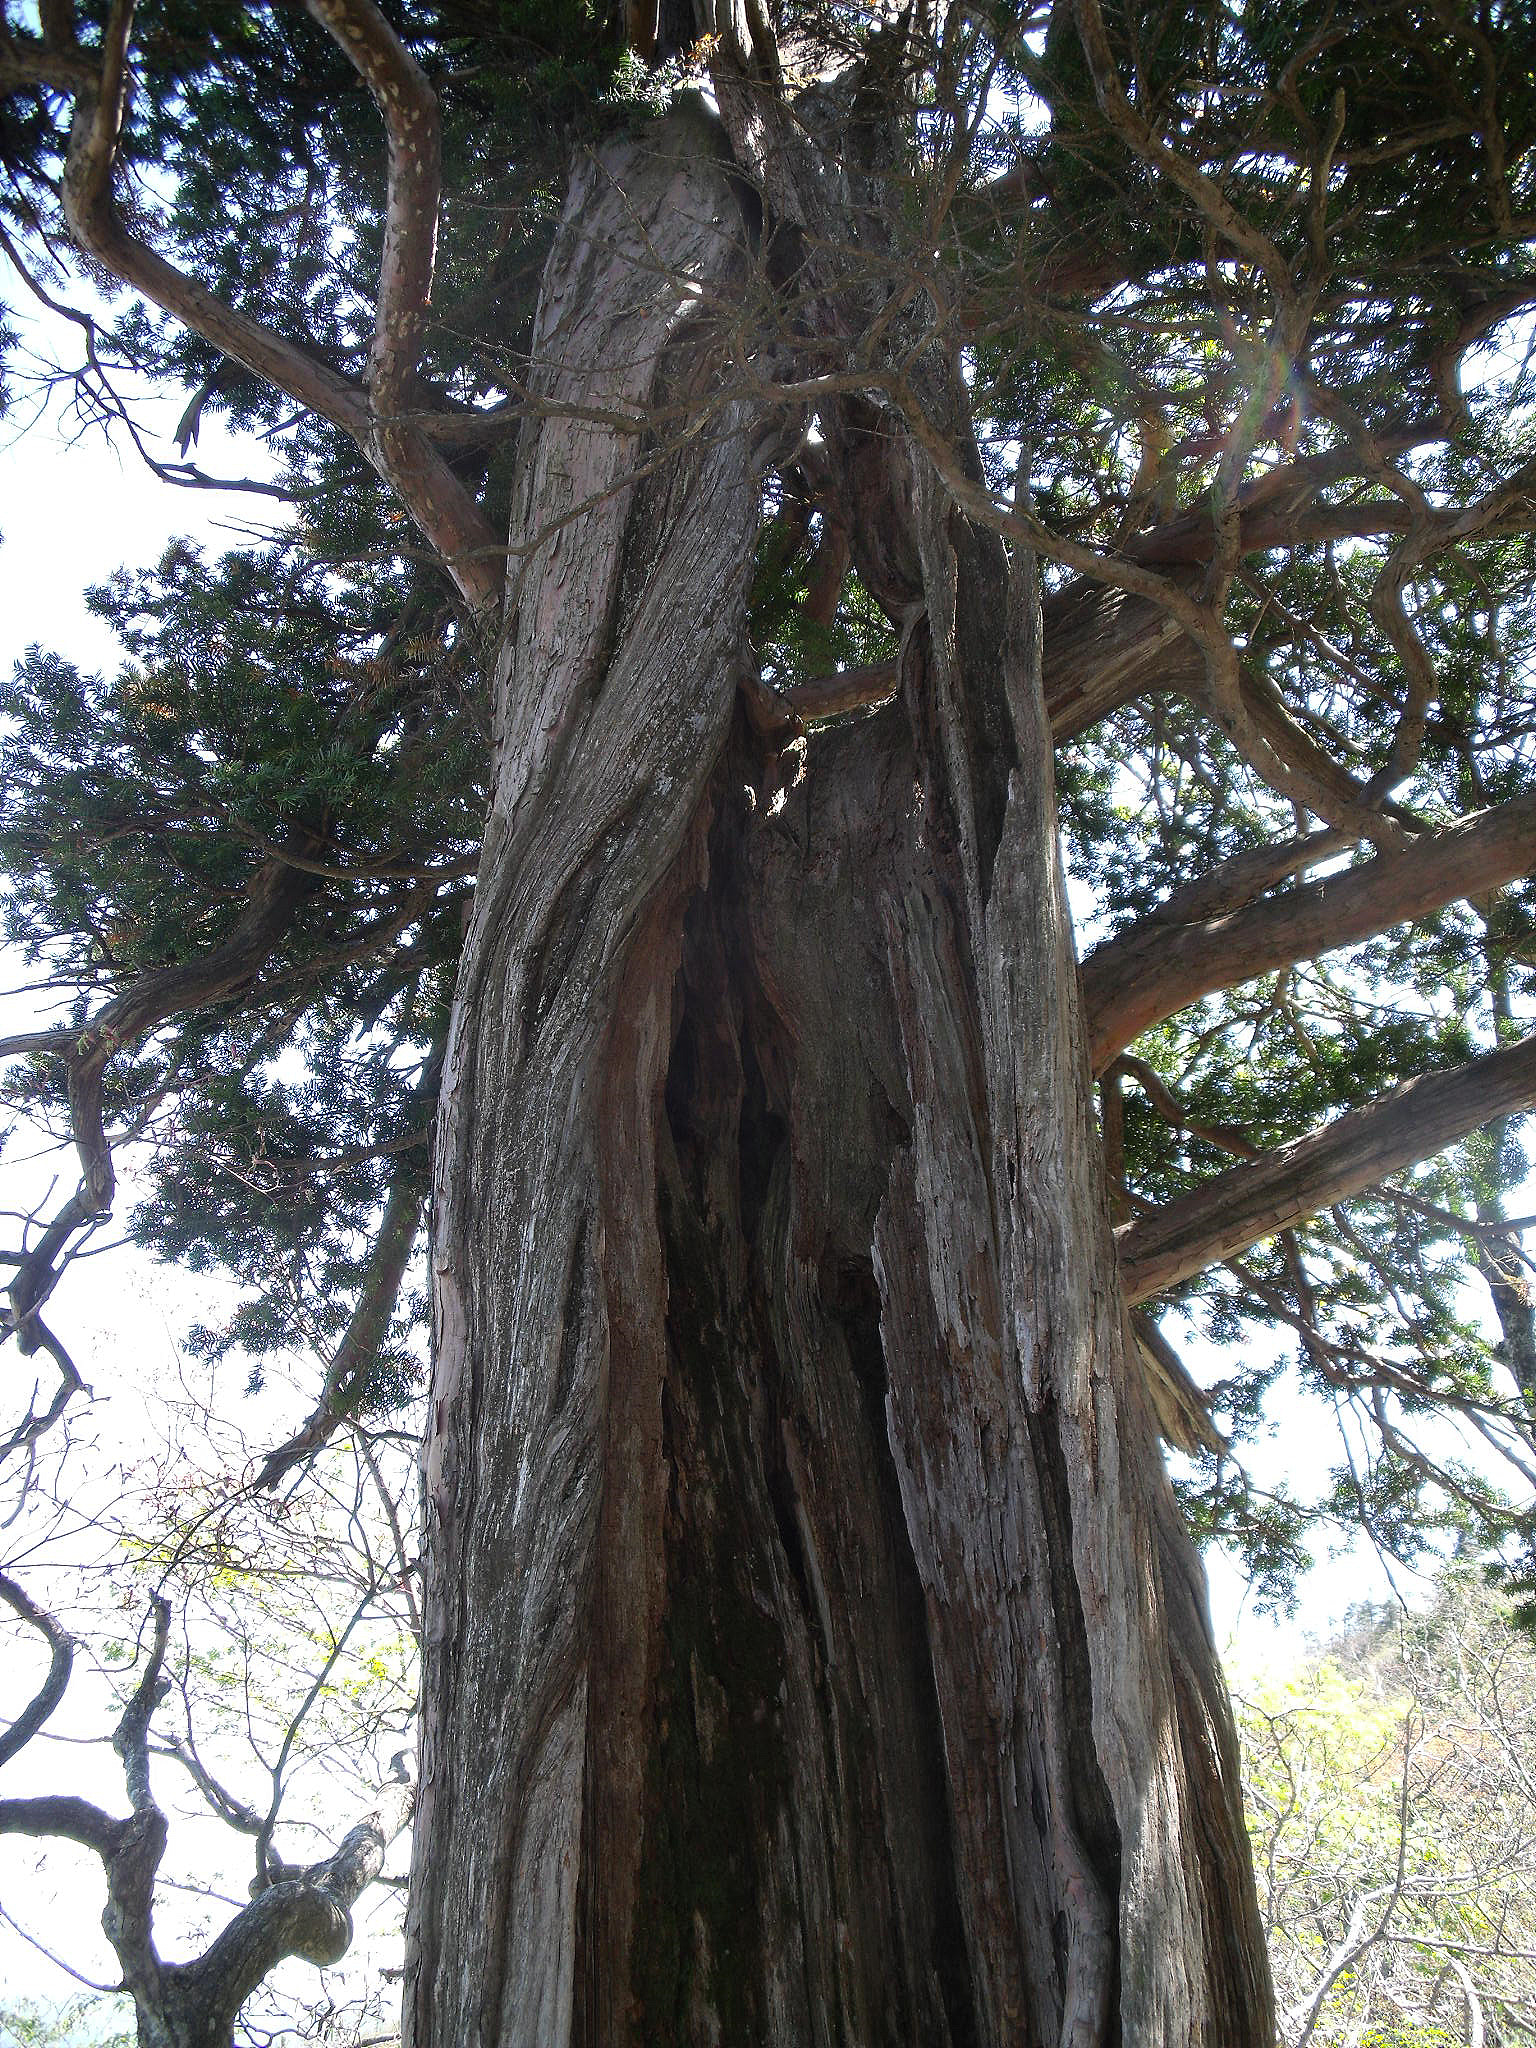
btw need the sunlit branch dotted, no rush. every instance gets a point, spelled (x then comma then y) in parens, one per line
(403, 456)
(1154, 969)
(1256, 1200)
(99, 229)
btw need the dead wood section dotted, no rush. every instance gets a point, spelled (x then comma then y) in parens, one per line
(800, 1561)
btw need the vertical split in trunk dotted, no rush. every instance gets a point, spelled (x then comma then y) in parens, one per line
(615, 687)
(814, 1653)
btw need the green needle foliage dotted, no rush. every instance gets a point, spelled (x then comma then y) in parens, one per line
(1349, 368)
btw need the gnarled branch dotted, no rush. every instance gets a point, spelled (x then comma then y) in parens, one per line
(306, 1913)
(403, 455)
(60, 1663)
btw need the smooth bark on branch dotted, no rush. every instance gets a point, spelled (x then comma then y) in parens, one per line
(1253, 1201)
(407, 108)
(1133, 981)
(403, 455)
(850, 689)
(61, 1654)
(98, 228)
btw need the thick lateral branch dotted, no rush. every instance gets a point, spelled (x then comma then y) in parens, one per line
(1107, 645)
(24, 61)
(1155, 969)
(1103, 648)
(98, 228)
(62, 1814)
(400, 452)
(850, 689)
(408, 109)
(307, 1915)
(1254, 1201)
(1251, 715)
(404, 456)
(60, 1662)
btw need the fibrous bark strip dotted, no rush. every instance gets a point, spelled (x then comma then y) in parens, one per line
(814, 1654)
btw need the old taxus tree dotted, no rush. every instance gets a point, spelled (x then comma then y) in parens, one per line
(768, 493)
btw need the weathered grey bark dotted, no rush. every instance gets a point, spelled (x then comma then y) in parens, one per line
(614, 696)
(813, 1651)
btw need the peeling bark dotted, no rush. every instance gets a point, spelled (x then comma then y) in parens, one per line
(616, 687)
(814, 1655)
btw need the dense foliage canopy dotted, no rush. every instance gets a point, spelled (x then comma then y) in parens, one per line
(1244, 302)
(1250, 312)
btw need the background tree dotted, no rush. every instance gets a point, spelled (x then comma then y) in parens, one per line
(251, 1659)
(811, 1637)
(1393, 1815)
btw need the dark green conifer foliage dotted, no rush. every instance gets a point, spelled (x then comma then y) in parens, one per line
(319, 698)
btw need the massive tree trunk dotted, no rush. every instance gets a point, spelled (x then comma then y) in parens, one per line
(814, 1652)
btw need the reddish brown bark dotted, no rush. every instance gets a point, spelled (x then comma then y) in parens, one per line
(1253, 1201)
(1156, 968)
(813, 1651)
(373, 412)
